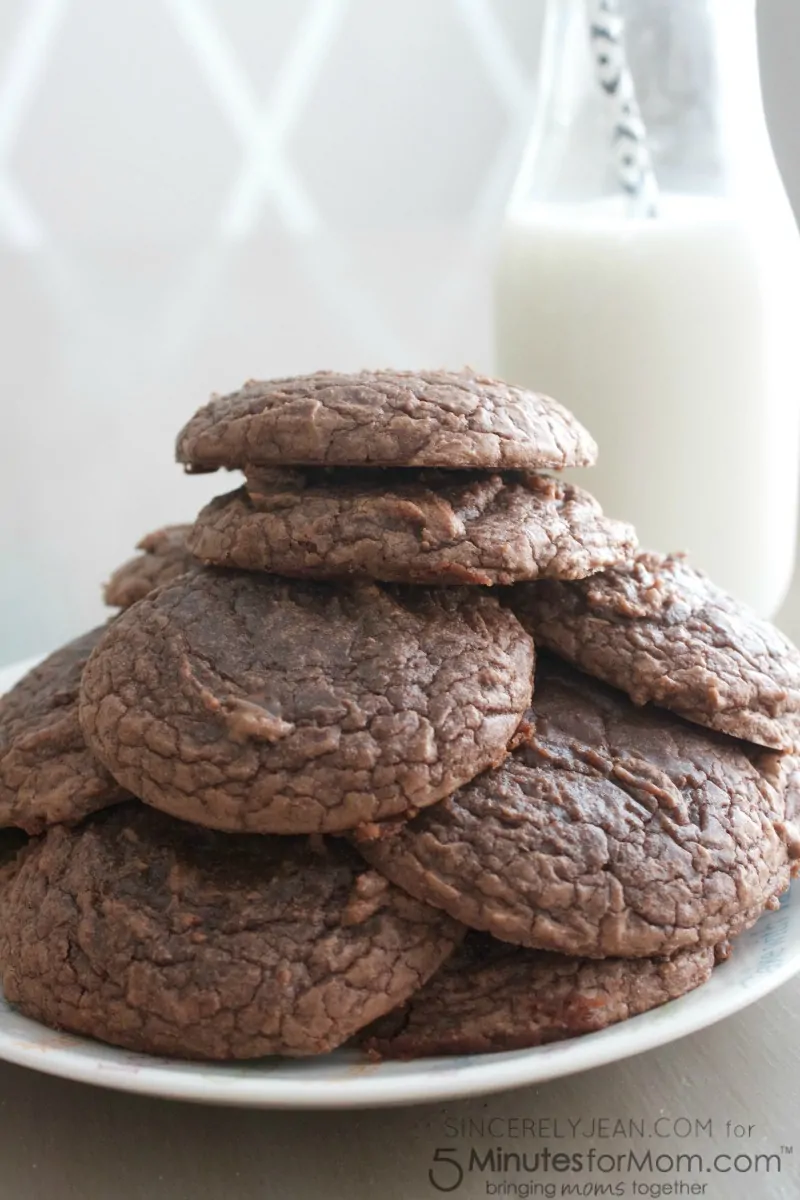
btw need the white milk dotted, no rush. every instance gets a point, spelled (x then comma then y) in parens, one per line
(677, 343)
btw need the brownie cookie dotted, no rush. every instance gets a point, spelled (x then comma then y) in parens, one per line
(250, 702)
(385, 418)
(164, 558)
(47, 775)
(164, 938)
(663, 632)
(786, 777)
(610, 831)
(490, 996)
(436, 527)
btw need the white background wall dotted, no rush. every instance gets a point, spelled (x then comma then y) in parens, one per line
(197, 191)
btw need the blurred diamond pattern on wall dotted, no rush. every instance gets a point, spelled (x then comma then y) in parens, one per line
(196, 191)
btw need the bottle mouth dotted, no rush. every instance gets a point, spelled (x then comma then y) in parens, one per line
(694, 70)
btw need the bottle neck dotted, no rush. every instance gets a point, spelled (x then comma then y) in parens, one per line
(694, 68)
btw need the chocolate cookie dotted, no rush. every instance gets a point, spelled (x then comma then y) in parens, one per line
(250, 702)
(47, 775)
(385, 418)
(490, 996)
(610, 831)
(436, 527)
(663, 632)
(164, 938)
(164, 558)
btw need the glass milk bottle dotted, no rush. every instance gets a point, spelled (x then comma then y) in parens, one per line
(649, 278)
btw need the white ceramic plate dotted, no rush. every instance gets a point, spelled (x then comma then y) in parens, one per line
(763, 959)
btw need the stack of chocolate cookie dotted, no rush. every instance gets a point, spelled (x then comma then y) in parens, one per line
(365, 815)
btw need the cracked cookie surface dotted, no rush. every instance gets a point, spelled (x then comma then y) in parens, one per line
(385, 418)
(164, 557)
(250, 702)
(429, 527)
(663, 632)
(47, 774)
(490, 997)
(164, 938)
(610, 831)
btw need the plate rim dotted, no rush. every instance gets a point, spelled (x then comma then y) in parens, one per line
(481, 1074)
